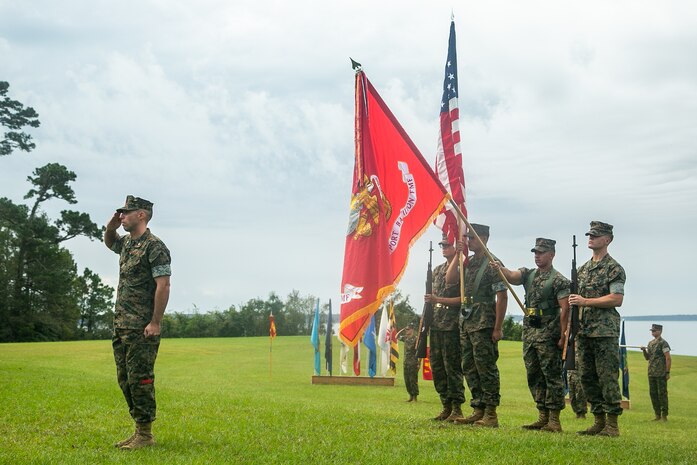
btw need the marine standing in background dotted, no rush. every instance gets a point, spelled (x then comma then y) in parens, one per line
(600, 290)
(577, 397)
(141, 299)
(544, 327)
(482, 315)
(658, 355)
(411, 362)
(445, 354)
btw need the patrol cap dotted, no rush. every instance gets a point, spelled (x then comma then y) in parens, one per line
(598, 228)
(544, 245)
(480, 229)
(135, 203)
(655, 327)
(444, 240)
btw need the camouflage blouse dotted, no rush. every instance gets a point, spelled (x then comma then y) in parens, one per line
(141, 261)
(550, 325)
(445, 319)
(657, 349)
(409, 348)
(483, 314)
(597, 280)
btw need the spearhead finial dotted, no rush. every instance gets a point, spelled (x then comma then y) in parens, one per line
(355, 65)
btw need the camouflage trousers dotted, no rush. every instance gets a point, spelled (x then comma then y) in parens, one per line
(446, 366)
(658, 390)
(479, 357)
(576, 394)
(543, 366)
(411, 376)
(135, 356)
(599, 369)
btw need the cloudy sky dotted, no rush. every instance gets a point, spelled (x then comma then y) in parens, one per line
(236, 119)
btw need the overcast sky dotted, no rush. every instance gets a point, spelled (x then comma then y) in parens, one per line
(236, 119)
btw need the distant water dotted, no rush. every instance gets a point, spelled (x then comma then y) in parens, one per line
(681, 335)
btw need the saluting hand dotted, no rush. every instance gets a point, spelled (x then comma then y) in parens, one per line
(114, 222)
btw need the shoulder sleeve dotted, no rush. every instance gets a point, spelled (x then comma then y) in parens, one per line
(616, 273)
(118, 244)
(666, 347)
(562, 286)
(159, 259)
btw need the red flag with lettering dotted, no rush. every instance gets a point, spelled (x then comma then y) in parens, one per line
(395, 197)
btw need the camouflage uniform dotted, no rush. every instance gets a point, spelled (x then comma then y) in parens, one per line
(411, 364)
(141, 260)
(658, 385)
(597, 340)
(479, 352)
(541, 334)
(445, 342)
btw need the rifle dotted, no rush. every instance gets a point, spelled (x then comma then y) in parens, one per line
(569, 355)
(427, 313)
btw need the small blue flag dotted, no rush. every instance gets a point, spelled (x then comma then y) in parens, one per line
(314, 338)
(369, 341)
(624, 368)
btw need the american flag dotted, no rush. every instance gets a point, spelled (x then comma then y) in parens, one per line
(448, 166)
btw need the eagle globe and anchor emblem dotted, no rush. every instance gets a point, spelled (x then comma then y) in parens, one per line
(365, 208)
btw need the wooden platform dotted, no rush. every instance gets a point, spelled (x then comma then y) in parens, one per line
(626, 404)
(353, 380)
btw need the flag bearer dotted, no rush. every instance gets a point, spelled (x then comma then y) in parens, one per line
(544, 325)
(445, 335)
(482, 316)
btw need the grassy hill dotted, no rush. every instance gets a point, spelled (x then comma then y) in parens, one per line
(219, 403)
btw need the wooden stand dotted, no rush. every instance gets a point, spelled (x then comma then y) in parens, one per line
(353, 380)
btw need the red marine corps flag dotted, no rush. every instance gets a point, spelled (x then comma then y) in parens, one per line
(449, 154)
(394, 199)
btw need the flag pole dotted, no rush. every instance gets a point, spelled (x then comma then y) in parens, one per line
(486, 251)
(462, 264)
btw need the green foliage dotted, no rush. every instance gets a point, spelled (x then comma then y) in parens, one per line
(41, 295)
(95, 304)
(14, 116)
(219, 402)
(404, 313)
(512, 331)
(292, 317)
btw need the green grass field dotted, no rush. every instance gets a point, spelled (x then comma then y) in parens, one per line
(218, 404)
